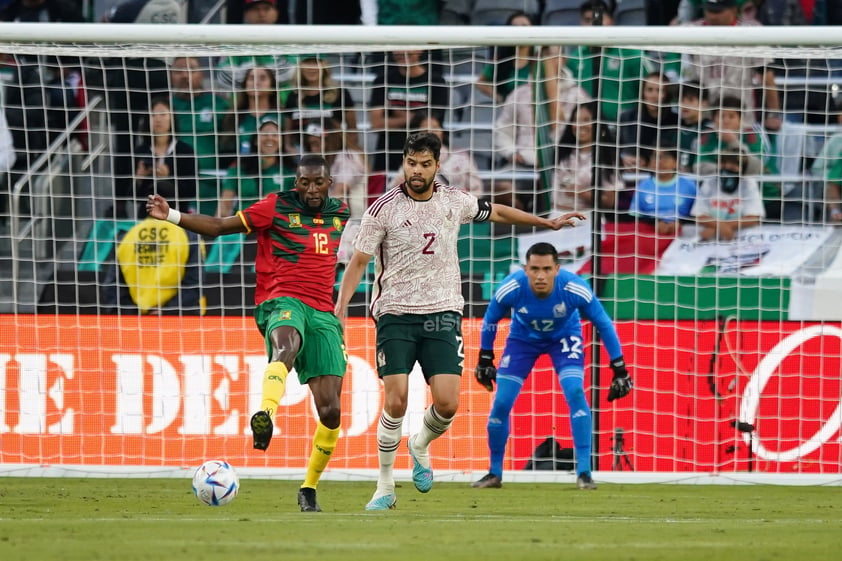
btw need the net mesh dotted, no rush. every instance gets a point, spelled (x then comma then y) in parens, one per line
(727, 302)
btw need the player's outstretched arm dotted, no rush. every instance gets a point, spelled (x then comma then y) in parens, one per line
(158, 207)
(508, 215)
(350, 281)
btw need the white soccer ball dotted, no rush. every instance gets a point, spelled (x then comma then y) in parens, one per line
(215, 483)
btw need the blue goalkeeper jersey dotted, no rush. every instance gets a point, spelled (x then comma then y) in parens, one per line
(541, 320)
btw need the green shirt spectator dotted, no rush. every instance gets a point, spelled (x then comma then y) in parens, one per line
(407, 12)
(621, 73)
(249, 189)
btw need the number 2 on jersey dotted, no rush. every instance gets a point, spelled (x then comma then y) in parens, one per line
(431, 238)
(321, 241)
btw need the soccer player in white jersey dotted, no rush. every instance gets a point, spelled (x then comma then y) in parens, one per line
(545, 302)
(417, 301)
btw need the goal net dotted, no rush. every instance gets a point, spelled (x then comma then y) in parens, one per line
(708, 163)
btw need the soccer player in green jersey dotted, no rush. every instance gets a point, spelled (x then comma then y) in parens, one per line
(298, 235)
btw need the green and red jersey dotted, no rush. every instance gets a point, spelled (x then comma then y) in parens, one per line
(296, 248)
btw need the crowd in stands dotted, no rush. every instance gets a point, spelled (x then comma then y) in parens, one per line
(653, 138)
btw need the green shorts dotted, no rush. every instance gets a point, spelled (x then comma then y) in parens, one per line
(322, 350)
(434, 340)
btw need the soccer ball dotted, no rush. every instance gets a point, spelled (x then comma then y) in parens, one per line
(215, 483)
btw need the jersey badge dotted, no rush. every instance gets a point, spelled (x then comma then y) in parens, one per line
(295, 221)
(560, 310)
(337, 224)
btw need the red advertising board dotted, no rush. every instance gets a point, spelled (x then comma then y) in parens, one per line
(174, 391)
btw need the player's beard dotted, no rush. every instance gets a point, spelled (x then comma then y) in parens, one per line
(419, 188)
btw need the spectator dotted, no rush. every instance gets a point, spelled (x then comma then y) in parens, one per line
(235, 11)
(456, 167)
(231, 70)
(41, 11)
(346, 161)
(765, 12)
(510, 66)
(259, 174)
(41, 100)
(406, 86)
(728, 202)
(408, 12)
(733, 76)
(643, 127)
(694, 123)
(574, 184)
(666, 198)
(156, 270)
(165, 158)
(315, 98)
(831, 151)
(255, 102)
(130, 84)
(730, 131)
(199, 118)
(621, 70)
(515, 136)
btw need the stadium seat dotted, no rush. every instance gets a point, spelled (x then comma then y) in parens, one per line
(561, 12)
(496, 12)
(455, 12)
(630, 12)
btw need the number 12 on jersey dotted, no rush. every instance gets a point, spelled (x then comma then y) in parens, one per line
(322, 243)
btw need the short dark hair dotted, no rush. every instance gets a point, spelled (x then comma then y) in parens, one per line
(729, 103)
(542, 248)
(312, 160)
(594, 5)
(690, 89)
(421, 142)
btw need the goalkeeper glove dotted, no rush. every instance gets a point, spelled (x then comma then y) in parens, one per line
(621, 385)
(486, 372)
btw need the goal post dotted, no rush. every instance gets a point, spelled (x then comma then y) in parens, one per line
(734, 344)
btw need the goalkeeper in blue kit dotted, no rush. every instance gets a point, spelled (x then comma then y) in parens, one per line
(545, 302)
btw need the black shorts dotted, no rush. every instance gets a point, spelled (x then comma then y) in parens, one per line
(434, 340)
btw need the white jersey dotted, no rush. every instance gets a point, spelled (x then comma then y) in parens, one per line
(414, 245)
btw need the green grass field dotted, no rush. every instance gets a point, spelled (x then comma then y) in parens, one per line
(159, 519)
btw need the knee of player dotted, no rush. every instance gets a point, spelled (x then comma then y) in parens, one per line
(330, 414)
(447, 408)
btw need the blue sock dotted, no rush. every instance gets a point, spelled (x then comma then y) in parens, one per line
(498, 422)
(581, 424)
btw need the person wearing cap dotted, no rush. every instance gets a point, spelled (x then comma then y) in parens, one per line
(256, 101)
(231, 70)
(260, 173)
(316, 97)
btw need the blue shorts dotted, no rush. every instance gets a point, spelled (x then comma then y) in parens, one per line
(567, 355)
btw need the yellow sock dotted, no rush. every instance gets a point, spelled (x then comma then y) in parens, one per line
(324, 441)
(274, 384)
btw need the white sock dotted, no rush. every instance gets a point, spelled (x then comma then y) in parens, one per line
(388, 440)
(434, 426)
